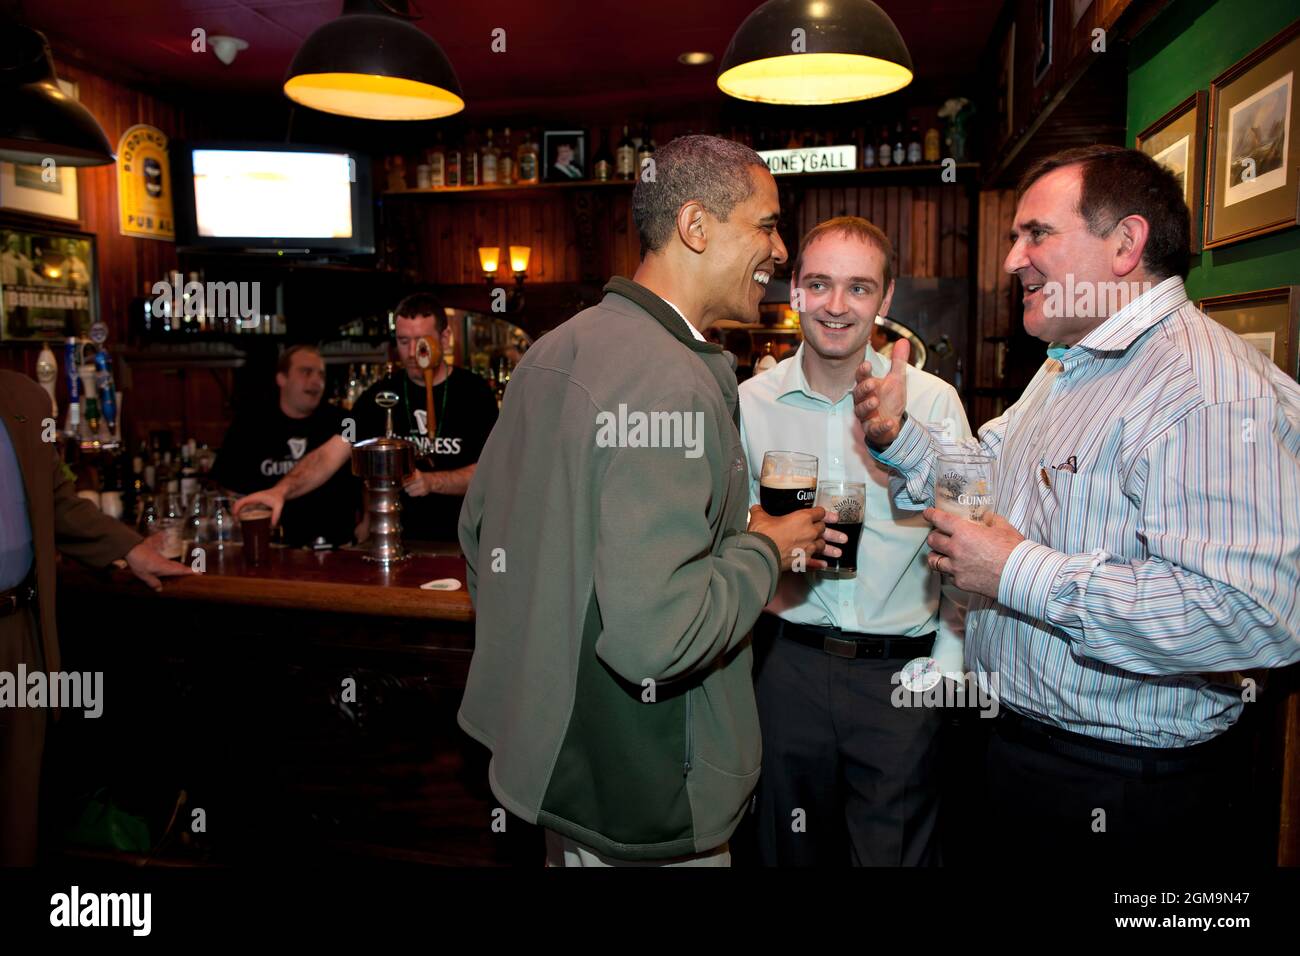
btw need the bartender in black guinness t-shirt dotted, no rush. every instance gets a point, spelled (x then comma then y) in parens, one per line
(464, 412)
(261, 448)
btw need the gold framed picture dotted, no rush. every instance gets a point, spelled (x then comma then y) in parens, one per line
(1177, 142)
(1253, 180)
(1268, 319)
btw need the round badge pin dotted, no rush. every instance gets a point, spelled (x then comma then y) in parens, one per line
(920, 674)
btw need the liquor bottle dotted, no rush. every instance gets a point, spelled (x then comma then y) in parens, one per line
(453, 167)
(488, 158)
(527, 160)
(644, 152)
(914, 144)
(438, 164)
(470, 162)
(625, 157)
(792, 141)
(506, 162)
(602, 167)
(868, 156)
(885, 152)
(900, 150)
(931, 145)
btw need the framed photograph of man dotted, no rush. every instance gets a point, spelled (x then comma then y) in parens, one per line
(1253, 181)
(1268, 319)
(1177, 141)
(48, 283)
(564, 153)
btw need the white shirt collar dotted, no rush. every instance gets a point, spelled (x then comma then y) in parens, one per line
(694, 331)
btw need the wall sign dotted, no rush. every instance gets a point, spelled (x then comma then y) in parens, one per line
(816, 159)
(144, 184)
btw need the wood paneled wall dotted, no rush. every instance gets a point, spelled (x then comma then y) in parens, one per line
(997, 317)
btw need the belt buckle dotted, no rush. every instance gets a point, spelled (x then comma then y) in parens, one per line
(839, 647)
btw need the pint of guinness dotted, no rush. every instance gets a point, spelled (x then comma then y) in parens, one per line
(847, 499)
(787, 482)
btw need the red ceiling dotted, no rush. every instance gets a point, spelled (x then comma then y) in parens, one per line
(556, 50)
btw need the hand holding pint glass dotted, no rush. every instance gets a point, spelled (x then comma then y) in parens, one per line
(963, 485)
(786, 513)
(845, 501)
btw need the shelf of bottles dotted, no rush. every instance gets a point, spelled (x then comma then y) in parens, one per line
(488, 163)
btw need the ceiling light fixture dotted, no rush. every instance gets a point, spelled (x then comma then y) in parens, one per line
(38, 120)
(374, 63)
(849, 50)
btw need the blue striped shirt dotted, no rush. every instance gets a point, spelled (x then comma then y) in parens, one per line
(1169, 557)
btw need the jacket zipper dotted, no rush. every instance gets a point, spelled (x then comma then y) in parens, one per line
(690, 736)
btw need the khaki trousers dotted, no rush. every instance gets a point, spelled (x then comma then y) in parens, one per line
(22, 739)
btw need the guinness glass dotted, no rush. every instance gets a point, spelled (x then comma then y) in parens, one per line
(848, 500)
(963, 485)
(787, 482)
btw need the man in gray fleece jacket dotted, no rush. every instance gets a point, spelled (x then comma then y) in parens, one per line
(615, 567)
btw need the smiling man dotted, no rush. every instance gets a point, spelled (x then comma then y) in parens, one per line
(829, 650)
(1147, 537)
(615, 583)
(264, 445)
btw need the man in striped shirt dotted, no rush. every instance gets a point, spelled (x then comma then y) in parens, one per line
(1146, 541)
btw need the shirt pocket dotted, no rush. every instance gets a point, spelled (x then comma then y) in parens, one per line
(1070, 503)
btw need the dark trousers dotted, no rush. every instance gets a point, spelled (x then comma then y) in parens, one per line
(848, 778)
(1059, 798)
(22, 740)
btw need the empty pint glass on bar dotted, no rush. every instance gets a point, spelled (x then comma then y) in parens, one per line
(963, 485)
(848, 500)
(787, 482)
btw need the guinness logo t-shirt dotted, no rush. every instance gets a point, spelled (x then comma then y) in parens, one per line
(259, 450)
(465, 410)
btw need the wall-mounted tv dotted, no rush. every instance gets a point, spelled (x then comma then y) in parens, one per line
(247, 196)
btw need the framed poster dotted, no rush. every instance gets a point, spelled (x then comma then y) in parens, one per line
(1043, 39)
(1177, 141)
(42, 190)
(1006, 84)
(1253, 181)
(564, 155)
(48, 283)
(1268, 319)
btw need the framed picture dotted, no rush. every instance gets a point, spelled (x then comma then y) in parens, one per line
(1043, 39)
(41, 191)
(1254, 167)
(48, 283)
(1006, 83)
(564, 153)
(1177, 142)
(1268, 319)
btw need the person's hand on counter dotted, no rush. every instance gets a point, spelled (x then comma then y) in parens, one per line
(272, 498)
(147, 563)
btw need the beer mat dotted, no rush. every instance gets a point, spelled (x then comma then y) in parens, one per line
(441, 584)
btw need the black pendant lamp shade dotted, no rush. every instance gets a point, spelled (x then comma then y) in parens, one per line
(373, 63)
(38, 121)
(850, 51)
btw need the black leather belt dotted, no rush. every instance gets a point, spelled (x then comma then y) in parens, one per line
(1146, 762)
(15, 599)
(851, 644)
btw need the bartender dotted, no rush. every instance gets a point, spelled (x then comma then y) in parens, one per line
(263, 446)
(464, 411)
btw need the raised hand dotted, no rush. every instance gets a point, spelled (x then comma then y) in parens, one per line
(879, 402)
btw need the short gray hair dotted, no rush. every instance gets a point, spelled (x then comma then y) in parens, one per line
(708, 169)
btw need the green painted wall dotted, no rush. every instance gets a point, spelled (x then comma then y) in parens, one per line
(1181, 51)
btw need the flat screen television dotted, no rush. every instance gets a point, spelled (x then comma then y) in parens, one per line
(281, 198)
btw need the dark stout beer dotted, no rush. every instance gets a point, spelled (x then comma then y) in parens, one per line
(782, 494)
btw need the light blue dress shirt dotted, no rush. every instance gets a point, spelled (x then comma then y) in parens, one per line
(894, 591)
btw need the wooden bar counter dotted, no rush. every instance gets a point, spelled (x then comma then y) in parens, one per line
(307, 706)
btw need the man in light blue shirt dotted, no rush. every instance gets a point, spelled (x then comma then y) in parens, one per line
(847, 774)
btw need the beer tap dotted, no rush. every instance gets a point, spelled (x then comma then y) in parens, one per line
(424, 352)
